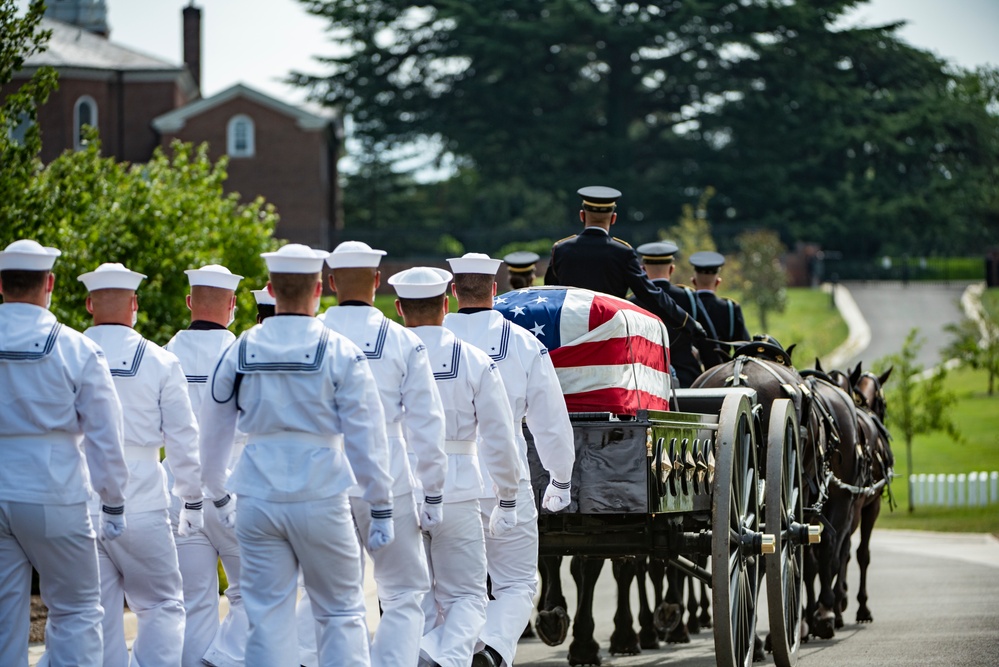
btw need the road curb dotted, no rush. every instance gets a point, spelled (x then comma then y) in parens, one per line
(859, 336)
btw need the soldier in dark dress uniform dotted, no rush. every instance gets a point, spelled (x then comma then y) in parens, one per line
(520, 268)
(596, 261)
(658, 261)
(727, 323)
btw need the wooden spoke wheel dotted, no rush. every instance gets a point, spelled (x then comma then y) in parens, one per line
(735, 523)
(784, 514)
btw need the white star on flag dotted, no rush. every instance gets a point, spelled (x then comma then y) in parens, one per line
(538, 329)
(518, 310)
(499, 299)
(541, 299)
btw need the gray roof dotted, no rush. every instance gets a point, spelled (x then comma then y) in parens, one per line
(71, 46)
(173, 121)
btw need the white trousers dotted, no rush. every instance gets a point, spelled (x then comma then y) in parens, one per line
(59, 542)
(141, 567)
(220, 644)
(455, 609)
(512, 562)
(400, 572)
(275, 539)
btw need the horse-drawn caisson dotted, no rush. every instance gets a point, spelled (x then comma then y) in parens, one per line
(733, 473)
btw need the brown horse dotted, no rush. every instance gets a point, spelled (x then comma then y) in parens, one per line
(835, 437)
(868, 393)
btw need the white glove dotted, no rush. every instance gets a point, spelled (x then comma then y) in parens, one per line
(192, 519)
(226, 506)
(503, 518)
(432, 513)
(112, 522)
(381, 532)
(556, 496)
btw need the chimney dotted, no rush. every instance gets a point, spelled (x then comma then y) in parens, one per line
(192, 42)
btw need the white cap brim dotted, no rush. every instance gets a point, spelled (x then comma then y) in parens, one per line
(213, 275)
(420, 282)
(295, 258)
(475, 262)
(28, 255)
(111, 276)
(354, 255)
(263, 297)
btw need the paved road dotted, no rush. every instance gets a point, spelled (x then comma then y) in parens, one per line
(934, 597)
(892, 309)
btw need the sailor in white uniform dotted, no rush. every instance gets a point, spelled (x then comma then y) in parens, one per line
(475, 403)
(265, 304)
(142, 564)
(212, 303)
(304, 396)
(534, 393)
(414, 416)
(59, 415)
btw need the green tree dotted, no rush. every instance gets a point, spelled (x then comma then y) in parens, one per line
(976, 344)
(20, 141)
(158, 218)
(816, 131)
(764, 281)
(917, 404)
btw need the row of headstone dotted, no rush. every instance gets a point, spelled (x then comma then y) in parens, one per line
(955, 490)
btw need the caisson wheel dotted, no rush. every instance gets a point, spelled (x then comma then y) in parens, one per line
(784, 511)
(735, 523)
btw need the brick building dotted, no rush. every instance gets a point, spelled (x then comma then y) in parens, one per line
(284, 153)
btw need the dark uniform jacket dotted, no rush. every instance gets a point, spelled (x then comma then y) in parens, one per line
(725, 315)
(681, 346)
(596, 261)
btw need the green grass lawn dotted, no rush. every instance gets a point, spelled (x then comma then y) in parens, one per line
(977, 417)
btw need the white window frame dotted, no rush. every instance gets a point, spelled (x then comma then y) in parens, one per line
(77, 128)
(250, 150)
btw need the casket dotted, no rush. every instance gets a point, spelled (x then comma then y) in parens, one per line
(610, 355)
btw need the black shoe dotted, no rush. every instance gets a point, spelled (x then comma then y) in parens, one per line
(487, 657)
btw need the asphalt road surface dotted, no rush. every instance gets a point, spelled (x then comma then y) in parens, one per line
(934, 598)
(892, 309)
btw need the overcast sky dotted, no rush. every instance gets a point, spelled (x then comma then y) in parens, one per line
(257, 42)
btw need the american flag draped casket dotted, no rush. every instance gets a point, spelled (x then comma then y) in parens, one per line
(610, 355)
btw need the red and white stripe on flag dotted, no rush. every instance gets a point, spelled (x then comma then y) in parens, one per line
(610, 355)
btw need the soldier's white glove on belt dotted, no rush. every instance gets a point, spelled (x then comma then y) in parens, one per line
(556, 496)
(192, 519)
(432, 513)
(112, 522)
(504, 518)
(381, 532)
(226, 506)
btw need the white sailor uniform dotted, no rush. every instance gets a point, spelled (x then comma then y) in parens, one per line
(219, 644)
(415, 417)
(57, 406)
(534, 393)
(304, 396)
(474, 402)
(142, 564)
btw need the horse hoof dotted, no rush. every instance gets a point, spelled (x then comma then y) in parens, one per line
(648, 639)
(823, 628)
(768, 644)
(705, 619)
(758, 654)
(624, 643)
(838, 623)
(864, 615)
(584, 653)
(678, 635)
(667, 617)
(552, 626)
(693, 625)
